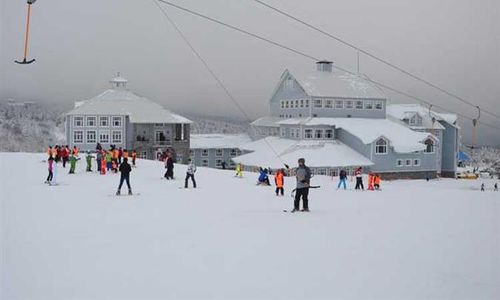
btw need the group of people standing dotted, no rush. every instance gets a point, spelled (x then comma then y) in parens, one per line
(60, 154)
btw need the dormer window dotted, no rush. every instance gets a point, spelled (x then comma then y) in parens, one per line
(288, 83)
(381, 146)
(415, 120)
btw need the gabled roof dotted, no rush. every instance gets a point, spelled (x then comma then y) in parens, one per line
(317, 153)
(334, 84)
(118, 101)
(402, 111)
(213, 141)
(400, 137)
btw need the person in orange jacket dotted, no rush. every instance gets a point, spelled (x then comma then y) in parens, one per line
(370, 182)
(376, 181)
(279, 180)
(75, 151)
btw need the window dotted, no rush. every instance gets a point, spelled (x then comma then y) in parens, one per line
(318, 103)
(399, 163)
(91, 121)
(218, 152)
(204, 162)
(204, 152)
(368, 104)
(159, 136)
(328, 103)
(308, 133)
(379, 105)
(288, 83)
(91, 137)
(287, 104)
(104, 121)
(78, 121)
(408, 162)
(381, 146)
(339, 104)
(104, 136)
(307, 103)
(282, 132)
(78, 136)
(416, 162)
(117, 121)
(297, 103)
(318, 134)
(429, 146)
(349, 104)
(359, 104)
(116, 137)
(416, 120)
(218, 163)
(143, 154)
(329, 134)
(301, 103)
(234, 152)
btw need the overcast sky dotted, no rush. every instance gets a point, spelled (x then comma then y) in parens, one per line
(80, 45)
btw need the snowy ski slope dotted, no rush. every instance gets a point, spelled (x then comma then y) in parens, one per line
(231, 239)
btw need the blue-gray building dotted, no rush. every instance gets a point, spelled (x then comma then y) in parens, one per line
(334, 119)
(212, 150)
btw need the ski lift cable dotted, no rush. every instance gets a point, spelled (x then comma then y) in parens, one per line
(269, 41)
(213, 74)
(377, 58)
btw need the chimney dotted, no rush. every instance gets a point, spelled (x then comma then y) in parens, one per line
(324, 66)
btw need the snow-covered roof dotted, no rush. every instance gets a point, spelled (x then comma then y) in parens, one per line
(402, 111)
(211, 141)
(335, 84)
(266, 121)
(117, 101)
(400, 137)
(274, 152)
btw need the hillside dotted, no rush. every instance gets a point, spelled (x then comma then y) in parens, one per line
(231, 239)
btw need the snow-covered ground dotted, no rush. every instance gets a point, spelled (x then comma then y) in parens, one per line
(231, 239)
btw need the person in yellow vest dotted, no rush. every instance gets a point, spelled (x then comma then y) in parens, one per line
(239, 170)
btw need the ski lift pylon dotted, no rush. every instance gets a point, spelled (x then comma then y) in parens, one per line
(25, 60)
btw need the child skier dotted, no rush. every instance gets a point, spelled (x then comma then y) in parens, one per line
(88, 158)
(191, 169)
(342, 179)
(263, 178)
(72, 163)
(50, 163)
(376, 181)
(109, 157)
(482, 187)
(169, 165)
(98, 159)
(279, 180)
(371, 182)
(239, 171)
(103, 162)
(125, 170)
(495, 187)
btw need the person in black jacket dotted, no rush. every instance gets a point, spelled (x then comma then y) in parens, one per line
(125, 170)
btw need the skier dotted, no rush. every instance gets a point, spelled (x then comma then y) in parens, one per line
(279, 180)
(482, 187)
(72, 163)
(371, 181)
(359, 179)
(169, 165)
(109, 158)
(120, 155)
(125, 170)
(342, 179)
(495, 187)
(125, 153)
(376, 181)
(49, 152)
(65, 155)
(88, 158)
(103, 162)
(134, 156)
(263, 178)
(75, 151)
(191, 169)
(50, 163)
(239, 171)
(98, 159)
(303, 176)
(53, 180)
(223, 165)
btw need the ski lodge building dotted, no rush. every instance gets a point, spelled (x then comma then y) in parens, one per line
(339, 121)
(120, 117)
(211, 150)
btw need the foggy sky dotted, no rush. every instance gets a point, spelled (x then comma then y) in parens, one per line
(80, 45)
